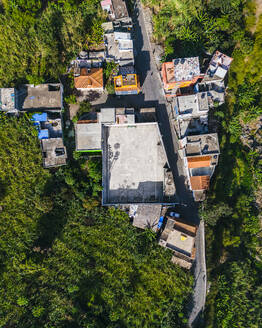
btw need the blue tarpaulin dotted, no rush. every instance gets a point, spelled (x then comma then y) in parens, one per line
(43, 134)
(160, 222)
(39, 117)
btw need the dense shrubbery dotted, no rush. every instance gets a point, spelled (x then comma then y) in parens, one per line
(194, 27)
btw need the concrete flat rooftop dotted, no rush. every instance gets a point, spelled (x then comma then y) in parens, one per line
(54, 152)
(194, 105)
(202, 144)
(180, 242)
(88, 136)
(147, 216)
(42, 96)
(133, 164)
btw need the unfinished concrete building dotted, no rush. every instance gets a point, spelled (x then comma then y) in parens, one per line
(179, 236)
(145, 216)
(116, 9)
(191, 106)
(119, 48)
(54, 152)
(191, 126)
(135, 166)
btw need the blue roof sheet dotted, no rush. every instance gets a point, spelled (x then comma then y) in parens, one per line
(39, 117)
(43, 134)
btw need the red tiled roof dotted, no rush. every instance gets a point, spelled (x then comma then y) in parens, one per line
(200, 182)
(92, 80)
(198, 161)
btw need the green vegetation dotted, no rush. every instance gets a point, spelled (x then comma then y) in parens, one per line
(232, 212)
(234, 244)
(39, 38)
(189, 28)
(65, 260)
(109, 70)
(84, 108)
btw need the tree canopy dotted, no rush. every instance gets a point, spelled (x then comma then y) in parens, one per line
(65, 260)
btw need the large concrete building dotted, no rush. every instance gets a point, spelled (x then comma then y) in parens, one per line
(135, 166)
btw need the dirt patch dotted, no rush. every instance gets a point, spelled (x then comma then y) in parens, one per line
(73, 108)
(258, 13)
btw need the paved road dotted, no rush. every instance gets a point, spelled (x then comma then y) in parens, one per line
(152, 94)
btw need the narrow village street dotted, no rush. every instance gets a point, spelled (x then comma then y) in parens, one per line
(153, 96)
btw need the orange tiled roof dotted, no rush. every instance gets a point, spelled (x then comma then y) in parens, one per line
(91, 80)
(198, 161)
(200, 182)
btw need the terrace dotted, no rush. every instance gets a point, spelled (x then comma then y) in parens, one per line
(134, 164)
(41, 97)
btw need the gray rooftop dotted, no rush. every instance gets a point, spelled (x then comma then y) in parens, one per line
(42, 97)
(133, 164)
(8, 99)
(120, 9)
(107, 115)
(88, 133)
(204, 144)
(180, 242)
(192, 105)
(185, 127)
(114, 51)
(54, 152)
(146, 216)
(185, 69)
(88, 136)
(179, 236)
